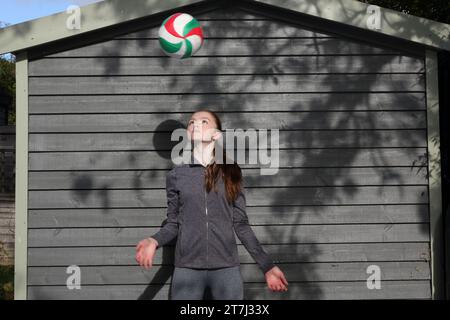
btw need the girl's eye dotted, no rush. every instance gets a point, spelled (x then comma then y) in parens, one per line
(205, 121)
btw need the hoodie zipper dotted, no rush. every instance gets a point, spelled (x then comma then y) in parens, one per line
(207, 240)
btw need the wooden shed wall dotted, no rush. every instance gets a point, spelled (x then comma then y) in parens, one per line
(352, 190)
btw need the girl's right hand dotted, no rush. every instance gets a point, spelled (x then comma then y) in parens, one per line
(145, 250)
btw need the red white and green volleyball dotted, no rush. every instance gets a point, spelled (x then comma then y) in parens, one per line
(180, 35)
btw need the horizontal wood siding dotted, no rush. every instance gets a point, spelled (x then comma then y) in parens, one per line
(351, 191)
(7, 210)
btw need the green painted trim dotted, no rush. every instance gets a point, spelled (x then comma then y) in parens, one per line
(21, 228)
(354, 13)
(434, 176)
(94, 16)
(111, 12)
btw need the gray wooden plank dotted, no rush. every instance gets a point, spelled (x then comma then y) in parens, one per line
(7, 141)
(281, 253)
(259, 215)
(350, 271)
(287, 139)
(240, 27)
(8, 130)
(141, 160)
(77, 237)
(231, 121)
(8, 210)
(154, 84)
(234, 102)
(7, 197)
(252, 177)
(413, 289)
(7, 237)
(7, 223)
(225, 65)
(7, 253)
(255, 196)
(230, 47)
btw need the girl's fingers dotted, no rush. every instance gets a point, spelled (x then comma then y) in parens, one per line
(279, 286)
(145, 262)
(283, 278)
(142, 260)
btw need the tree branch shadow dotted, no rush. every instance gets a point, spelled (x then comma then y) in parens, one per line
(339, 103)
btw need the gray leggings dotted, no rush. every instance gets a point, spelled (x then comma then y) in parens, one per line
(224, 283)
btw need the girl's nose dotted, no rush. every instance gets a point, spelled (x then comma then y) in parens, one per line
(197, 125)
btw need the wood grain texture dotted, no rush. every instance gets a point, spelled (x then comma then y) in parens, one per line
(309, 272)
(226, 65)
(288, 158)
(150, 84)
(281, 253)
(258, 215)
(230, 102)
(40, 199)
(350, 233)
(351, 191)
(357, 290)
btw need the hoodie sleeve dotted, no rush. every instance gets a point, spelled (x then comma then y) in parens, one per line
(169, 230)
(246, 234)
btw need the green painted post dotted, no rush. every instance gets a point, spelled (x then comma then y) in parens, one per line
(20, 247)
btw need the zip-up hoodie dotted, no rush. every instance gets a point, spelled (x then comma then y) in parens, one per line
(204, 223)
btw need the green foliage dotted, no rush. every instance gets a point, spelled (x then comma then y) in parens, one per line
(6, 282)
(8, 83)
(438, 10)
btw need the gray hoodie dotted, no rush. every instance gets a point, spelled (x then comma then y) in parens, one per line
(203, 223)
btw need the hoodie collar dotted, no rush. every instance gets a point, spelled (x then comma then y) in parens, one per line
(194, 162)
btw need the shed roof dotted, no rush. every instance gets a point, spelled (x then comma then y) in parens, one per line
(108, 13)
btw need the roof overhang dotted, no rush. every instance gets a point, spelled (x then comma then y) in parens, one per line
(355, 13)
(107, 13)
(93, 17)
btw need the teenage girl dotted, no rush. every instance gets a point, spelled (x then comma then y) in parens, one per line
(217, 267)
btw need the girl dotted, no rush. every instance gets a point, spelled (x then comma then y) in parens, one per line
(203, 222)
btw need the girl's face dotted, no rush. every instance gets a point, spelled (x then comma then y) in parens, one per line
(201, 127)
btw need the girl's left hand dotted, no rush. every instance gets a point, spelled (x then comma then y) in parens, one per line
(276, 280)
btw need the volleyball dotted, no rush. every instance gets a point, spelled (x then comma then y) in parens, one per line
(180, 35)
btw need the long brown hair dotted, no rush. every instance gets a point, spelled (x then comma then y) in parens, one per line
(231, 172)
